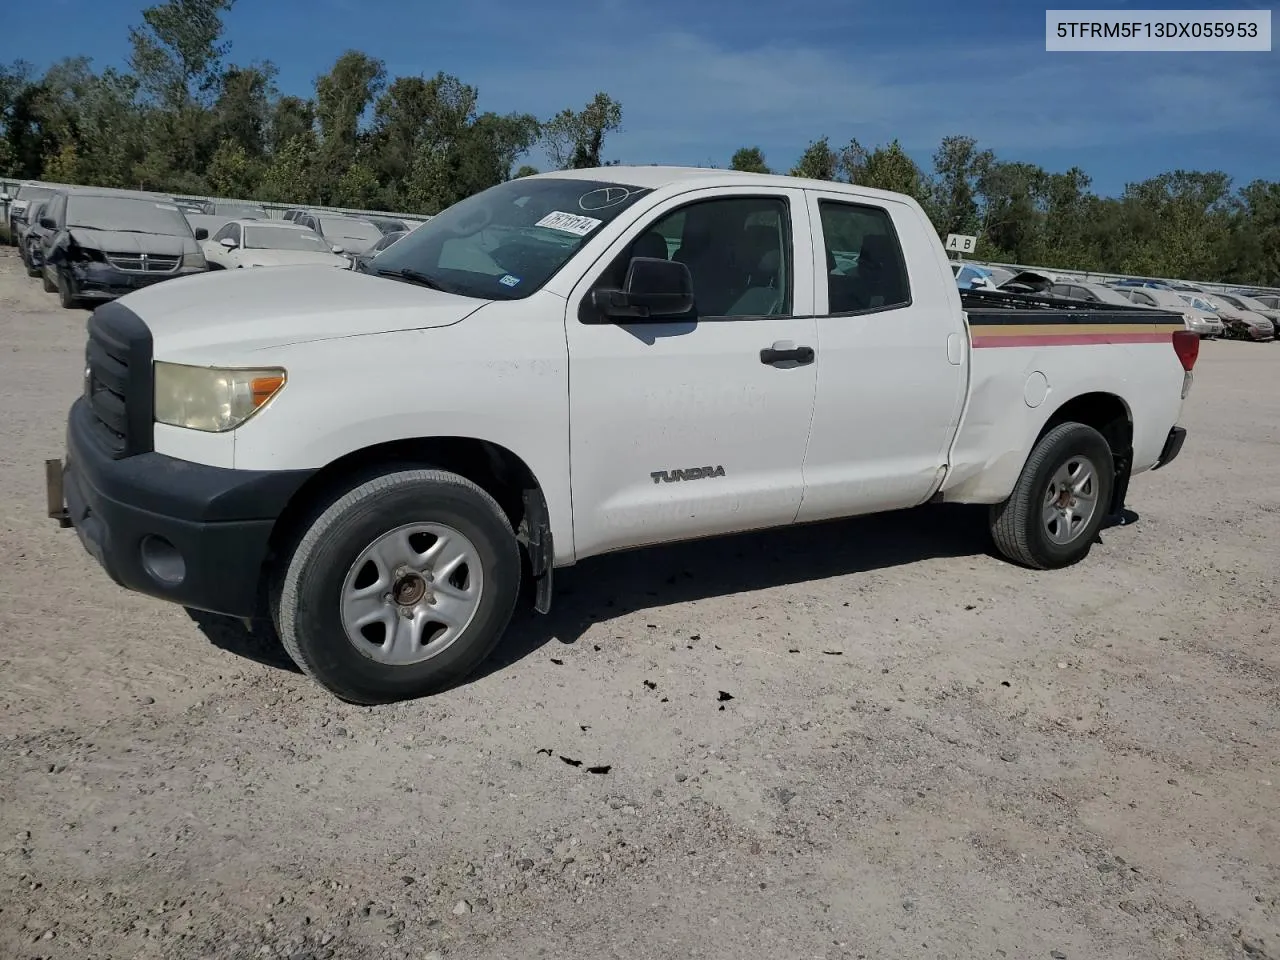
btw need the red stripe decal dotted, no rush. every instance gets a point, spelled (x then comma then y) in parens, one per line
(1068, 339)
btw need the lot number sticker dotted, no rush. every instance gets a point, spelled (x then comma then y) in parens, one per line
(579, 226)
(961, 242)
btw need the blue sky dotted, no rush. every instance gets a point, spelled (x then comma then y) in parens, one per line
(698, 78)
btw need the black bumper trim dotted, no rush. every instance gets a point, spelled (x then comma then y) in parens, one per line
(1172, 447)
(218, 520)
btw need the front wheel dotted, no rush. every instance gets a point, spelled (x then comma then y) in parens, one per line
(1060, 501)
(66, 292)
(400, 588)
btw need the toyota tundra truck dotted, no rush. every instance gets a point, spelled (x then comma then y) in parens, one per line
(575, 363)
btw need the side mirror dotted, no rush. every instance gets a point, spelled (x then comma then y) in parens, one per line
(228, 243)
(337, 249)
(202, 233)
(48, 223)
(654, 289)
(5, 198)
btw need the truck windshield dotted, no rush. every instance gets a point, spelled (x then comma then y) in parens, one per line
(506, 242)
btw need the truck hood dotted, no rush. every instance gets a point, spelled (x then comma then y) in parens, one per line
(215, 317)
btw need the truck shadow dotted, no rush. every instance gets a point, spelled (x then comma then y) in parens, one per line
(599, 589)
(602, 588)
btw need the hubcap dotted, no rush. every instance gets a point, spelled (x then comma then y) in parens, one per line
(1071, 500)
(411, 593)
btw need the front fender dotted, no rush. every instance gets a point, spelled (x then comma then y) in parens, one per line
(504, 384)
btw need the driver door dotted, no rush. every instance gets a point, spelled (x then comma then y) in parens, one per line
(691, 427)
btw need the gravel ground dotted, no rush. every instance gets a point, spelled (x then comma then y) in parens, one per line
(919, 750)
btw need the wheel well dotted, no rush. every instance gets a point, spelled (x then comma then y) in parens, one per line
(1109, 415)
(494, 468)
(1105, 412)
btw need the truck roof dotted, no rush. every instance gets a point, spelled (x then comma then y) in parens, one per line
(656, 177)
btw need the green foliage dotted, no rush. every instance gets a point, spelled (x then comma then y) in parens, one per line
(232, 172)
(749, 160)
(818, 162)
(574, 139)
(1179, 224)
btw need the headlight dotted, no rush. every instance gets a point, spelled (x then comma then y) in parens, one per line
(196, 260)
(211, 398)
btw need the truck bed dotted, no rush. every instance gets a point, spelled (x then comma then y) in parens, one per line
(1000, 319)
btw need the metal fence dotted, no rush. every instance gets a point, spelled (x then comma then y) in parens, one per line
(274, 210)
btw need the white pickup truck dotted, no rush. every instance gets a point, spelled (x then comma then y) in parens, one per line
(576, 363)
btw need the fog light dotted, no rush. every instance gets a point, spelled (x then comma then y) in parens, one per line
(162, 561)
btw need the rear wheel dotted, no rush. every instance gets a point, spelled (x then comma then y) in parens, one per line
(400, 588)
(1060, 501)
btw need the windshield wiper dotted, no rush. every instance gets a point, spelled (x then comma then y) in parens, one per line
(409, 275)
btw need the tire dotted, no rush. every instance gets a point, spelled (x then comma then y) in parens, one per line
(49, 285)
(1019, 525)
(66, 295)
(321, 571)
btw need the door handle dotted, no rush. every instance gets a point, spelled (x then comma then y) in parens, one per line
(784, 353)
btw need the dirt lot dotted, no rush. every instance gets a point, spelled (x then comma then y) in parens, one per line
(928, 753)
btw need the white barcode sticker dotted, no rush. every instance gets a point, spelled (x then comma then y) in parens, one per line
(579, 226)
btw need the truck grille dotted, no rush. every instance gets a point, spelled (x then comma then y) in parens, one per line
(143, 262)
(117, 380)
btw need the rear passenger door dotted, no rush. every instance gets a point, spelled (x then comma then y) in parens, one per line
(890, 358)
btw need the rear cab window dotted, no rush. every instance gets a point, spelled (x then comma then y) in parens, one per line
(865, 269)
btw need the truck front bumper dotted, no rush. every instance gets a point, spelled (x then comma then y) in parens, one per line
(181, 531)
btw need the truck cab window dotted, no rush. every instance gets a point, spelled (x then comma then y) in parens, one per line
(737, 249)
(865, 267)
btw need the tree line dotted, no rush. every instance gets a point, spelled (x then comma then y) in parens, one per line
(183, 118)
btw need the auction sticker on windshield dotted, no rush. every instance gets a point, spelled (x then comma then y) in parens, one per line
(579, 226)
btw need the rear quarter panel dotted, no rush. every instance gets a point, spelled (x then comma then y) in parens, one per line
(1020, 378)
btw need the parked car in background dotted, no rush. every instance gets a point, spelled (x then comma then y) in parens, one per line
(32, 237)
(206, 223)
(1240, 324)
(292, 214)
(255, 243)
(1149, 284)
(103, 244)
(235, 210)
(1032, 281)
(389, 224)
(352, 235)
(1242, 302)
(1269, 300)
(26, 194)
(1093, 292)
(22, 228)
(1204, 322)
(360, 260)
(192, 205)
(999, 275)
(972, 277)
